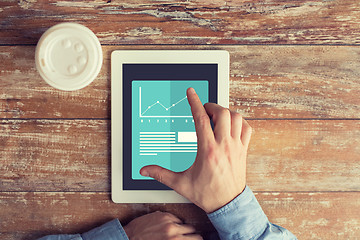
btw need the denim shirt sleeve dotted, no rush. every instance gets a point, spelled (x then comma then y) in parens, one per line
(243, 218)
(109, 231)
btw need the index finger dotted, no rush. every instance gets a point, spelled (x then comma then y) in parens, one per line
(201, 118)
(171, 217)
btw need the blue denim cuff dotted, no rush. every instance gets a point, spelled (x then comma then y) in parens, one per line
(242, 218)
(62, 237)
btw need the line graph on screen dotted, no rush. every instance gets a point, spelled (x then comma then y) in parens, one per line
(158, 109)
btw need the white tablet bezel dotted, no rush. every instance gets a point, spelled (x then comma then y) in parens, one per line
(120, 57)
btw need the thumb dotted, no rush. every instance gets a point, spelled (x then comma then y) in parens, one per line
(160, 174)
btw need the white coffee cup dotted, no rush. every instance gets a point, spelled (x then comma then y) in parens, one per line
(68, 56)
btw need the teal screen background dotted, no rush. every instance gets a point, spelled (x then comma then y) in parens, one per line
(160, 116)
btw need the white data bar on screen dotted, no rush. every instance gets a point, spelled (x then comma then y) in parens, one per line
(168, 145)
(157, 151)
(157, 132)
(187, 137)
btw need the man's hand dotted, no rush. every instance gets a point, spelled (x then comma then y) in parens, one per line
(219, 171)
(159, 226)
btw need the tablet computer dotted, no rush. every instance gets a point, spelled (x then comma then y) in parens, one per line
(151, 121)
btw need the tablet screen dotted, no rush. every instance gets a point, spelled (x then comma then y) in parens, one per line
(163, 131)
(158, 124)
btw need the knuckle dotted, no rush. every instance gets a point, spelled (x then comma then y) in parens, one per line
(226, 147)
(211, 151)
(225, 141)
(158, 177)
(161, 214)
(207, 104)
(157, 212)
(225, 112)
(169, 228)
(237, 117)
(163, 218)
(202, 119)
(168, 216)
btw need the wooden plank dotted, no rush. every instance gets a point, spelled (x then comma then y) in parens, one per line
(50, 213)
(314, 215)
(308, 215)
(64, 155)
(265, 82)
(188, 22)
(74, 155)
(24, 94)
(295, 82)
(304, 156)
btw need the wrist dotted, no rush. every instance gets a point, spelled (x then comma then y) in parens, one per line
(214, 206)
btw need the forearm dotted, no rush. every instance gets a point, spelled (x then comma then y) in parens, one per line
(243, 218)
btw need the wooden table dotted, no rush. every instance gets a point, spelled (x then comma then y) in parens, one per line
(295, 75)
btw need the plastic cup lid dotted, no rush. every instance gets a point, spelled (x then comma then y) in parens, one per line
(68, 56)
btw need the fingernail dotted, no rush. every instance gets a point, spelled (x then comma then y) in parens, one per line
(145, 173)
(191, 90)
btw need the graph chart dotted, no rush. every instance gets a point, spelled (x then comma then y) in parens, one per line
(166, 99)
(163, 131)
(166, 108)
